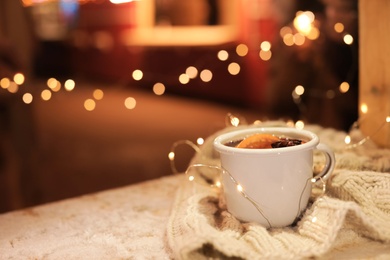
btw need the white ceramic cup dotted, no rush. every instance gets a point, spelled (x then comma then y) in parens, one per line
(270, 186)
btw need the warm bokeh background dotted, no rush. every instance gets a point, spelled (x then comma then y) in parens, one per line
(94, 92)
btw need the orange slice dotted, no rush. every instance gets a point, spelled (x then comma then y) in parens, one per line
(258, 141)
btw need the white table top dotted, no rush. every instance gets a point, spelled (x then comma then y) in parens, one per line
(119, 223)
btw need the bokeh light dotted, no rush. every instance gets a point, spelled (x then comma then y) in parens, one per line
(27, 98)
(19, 78)
(46, 94)
(138, 74)
(158, 89)
(184, 79)
(242, 50)
(89, 104)
(5, 82)
(69, 85)
(348, 39)
(130, 103)
(200, 141)
(339, 27)
(364, 108)
(206, 75)
(234, 68)
(192, 72)
(265, 46)
(344, 87)
(223, 55)
(13, 87)
(265, 55)
(98, 94)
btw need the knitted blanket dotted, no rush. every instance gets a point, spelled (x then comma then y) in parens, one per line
(354, 209)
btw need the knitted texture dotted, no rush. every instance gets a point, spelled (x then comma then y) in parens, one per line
(354, 209)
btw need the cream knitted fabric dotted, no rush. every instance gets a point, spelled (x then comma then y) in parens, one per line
(355, 208)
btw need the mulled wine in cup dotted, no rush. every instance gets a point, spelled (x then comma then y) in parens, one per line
(268, 172)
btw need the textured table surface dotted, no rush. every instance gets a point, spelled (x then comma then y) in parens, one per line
(123, 223)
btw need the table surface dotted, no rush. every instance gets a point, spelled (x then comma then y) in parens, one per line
(120, 223)
(124, 223)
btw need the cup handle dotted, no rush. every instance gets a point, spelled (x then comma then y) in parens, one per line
(330, 162)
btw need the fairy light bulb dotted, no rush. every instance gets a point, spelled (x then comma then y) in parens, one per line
(299, 124)
(339, 27)
(347, 139)
(191, 178)
(242, 50)
(27, 98)
(234, 68)
(344, 87)
(46, 94)
(303, 22)
(192, 72)
(69, 85)
(348, 39)
(364, 108)
(159, 89)
(223, 55)
(239, 188)
(19, 78)
(137, 75)
(171, 156)
(299, 90)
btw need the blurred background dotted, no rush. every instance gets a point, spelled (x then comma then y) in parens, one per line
(93, 93)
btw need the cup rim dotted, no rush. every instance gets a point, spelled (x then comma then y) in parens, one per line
(219, 141)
